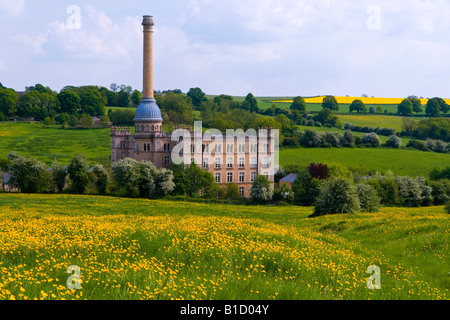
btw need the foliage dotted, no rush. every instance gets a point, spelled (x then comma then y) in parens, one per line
(371, 139)
(337, 195)
(78, 171)
(8, 101)
(100, 178)
(164, 183)
(409, 191)
(394, 142)
(121, 117)
(298, 104)
(330, 102)
(369, 200)
(358, 106)
(305, 188)
(197, 96)
(327, 117)
(28, 175)
(405, 108)
(59, 177)
(261, 191)
(318, 171)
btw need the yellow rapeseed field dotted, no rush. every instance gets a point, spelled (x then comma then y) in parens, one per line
(365, 100)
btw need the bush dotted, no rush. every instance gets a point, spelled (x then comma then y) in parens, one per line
(100, 176)
(440, 191)
(369, 200)
(305, 188)
(2, 117)
(261, 190)
(29, 175)
(349, 139)
(78, 171)
(371, 139)
(394, 142)
(419, 145)
(447, 207)
(337, 196)
(59, 177)
(409, 190)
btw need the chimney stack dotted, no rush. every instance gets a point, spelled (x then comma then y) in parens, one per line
(148, 57)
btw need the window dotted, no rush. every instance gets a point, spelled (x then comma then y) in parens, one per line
(230, 163)
(252, 176)
(253, 162)
(218, 177)
(218, 163)
(266, 162)
(218, 148)
(122, 155)
(206, 148)
(241, 162)
(166, 161)
(158, 146)
(242, 191)
(242, 148)
(192, 148)
(253, 148)
(266, 174)
(230, 177)
(229, 148)
(166, 146)
(241, 176)
(205, 163)
(136, 147)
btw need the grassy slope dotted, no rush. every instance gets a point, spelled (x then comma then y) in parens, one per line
(131, 249)
(401, 162)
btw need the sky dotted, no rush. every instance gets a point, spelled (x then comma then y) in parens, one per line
(277, 48)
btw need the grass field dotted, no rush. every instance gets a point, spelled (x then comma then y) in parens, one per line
(34, 140)
(376, 121)
(401, 162)
(142, 249)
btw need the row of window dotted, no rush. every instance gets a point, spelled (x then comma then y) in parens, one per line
(253, 148)
(241, 177)
(230, 163)
(149, 128)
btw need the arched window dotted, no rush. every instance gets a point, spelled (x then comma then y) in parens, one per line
(142, 128)
(153, 128)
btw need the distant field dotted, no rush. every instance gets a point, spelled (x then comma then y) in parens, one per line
(365, 100)
(131, 249)
(376, 121)
(401, 162)
(33, 140)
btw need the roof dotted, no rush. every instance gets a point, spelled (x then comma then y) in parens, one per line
(6, 177)
(148, 110)
(290, 178)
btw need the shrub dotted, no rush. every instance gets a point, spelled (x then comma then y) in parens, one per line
(349, 139)
(371, 139)
(261, 190)
(447, 207)
(100, 176)
(337, 196)
(2, 117)
(419, 145)
(369, 200)
(394, 142)
(29, 175)
(164, 183)
(440, 191)
(312, 139)
(318, 171)
(409, 190)
(306, 189)
(78, 173)
(59, 177)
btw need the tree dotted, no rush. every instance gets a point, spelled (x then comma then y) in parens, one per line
(123, 99)
(8, 101)
(197, 96)
(327, 117)
(126, 175)
(305, 188)
(86, 121)
(348, 139)
(369, 200)
(78, 171)
(338, 195)
(199, 182)
(231, 192)
(136, 98)
(28, 175)
(164, 183)
(114, 87)
(69, 101)
(330, 102)
(92, 101)
(405, 108)
(261, 191)
(447, 207)
(59, 177)
(250, 103)
(433, 107)
(409, 190)
(100, 178)
(298, 104)
(416, 103)
(358, 106)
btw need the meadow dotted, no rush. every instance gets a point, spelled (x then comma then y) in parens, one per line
(161, 250)
(400, 161)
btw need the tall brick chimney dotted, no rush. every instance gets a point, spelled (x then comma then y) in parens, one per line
(148, 57)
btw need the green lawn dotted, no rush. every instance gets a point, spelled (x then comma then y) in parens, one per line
(400, 161)
(142, 249)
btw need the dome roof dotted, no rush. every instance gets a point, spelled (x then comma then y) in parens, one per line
(148, 110)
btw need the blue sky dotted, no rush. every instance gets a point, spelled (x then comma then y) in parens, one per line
(384, 48)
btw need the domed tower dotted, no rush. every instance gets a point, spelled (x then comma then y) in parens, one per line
(148, 120)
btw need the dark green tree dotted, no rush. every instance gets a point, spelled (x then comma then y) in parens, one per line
(330, 102)
(405, 108)
(298, 104)
(8, 102)
(69, 101)
(358, 106)
(123, 99)
(250, 103)
(197, 96)
(78, 171)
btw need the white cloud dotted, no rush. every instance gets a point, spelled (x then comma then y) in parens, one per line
(12, 7)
